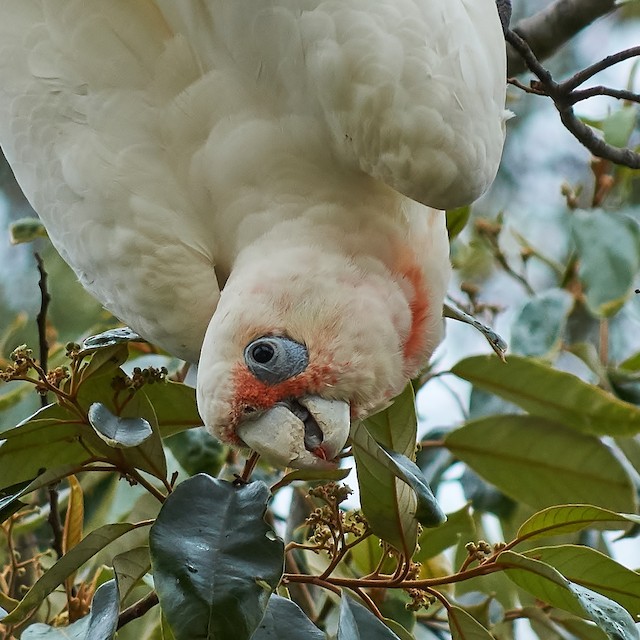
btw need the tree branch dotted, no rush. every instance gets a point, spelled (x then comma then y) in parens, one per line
(549, 29)
(564, 97)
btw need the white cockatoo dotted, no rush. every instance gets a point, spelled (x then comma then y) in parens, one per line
(254, 185)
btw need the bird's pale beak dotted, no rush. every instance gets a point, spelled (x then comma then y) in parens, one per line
(307, 432)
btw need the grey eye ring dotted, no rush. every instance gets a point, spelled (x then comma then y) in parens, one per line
(274, 359)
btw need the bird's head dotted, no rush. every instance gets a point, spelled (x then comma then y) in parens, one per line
(300, 346)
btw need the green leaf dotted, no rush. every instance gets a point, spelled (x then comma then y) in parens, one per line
(498, 345)
(26, 230)
(215, 561)
(465, 627)
(607, 614)
(311, 475)
(116, 431)
(618, 126)
(119, 335)
(428, 511)
(548, 585)
(103, 619)
(175, 406)
(47, 440)
(285, 620)
(99, 624)
(556, 395)
(434, 541)
(568, 518)
(40, 631)
(541, 463)
(594, 570)
(457, 220)
(12, 494)
(63, 568)
(105, 361)
(358, 623)
(538, 327)
(388, 503)
(608, 247)
(131, 567)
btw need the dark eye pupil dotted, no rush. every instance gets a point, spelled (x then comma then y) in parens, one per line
(262, 353)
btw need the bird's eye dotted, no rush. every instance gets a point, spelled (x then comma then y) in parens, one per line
(262, 352)
(273, 359)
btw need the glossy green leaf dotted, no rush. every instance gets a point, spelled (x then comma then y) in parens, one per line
(104, 361)
(215, 561)
(103, 619)
(312, 475)
(99, 624)
(541, 463)
(563, 519)
(131, 567)
(428, 511)
(590, 568)
(465, 627)
(116, 431)
(556, 395)
(285, 620)
(496, 342)
(63, 568)
(608, 246)
(358, 623)
(388, 503)
(537, 328)
(432, 542)
(548, 585)
(23, 454)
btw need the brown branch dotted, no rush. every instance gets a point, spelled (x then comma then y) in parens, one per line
(547, 30)
(41, 320)
(54, 520)
(563, 97)
(138, 609)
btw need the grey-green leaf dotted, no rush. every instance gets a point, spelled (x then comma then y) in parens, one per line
(99, 624)
(538, 327)
(608, 246)
(103, 619)
(358, 623)
(112, 336)
(428, 511)
(116, 431)
(215, 560)
(285, 620)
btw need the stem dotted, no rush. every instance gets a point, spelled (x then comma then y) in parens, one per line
(41, 320)
(138, 609)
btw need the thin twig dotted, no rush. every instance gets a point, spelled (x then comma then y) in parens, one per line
(54, 520)
(564, 97)
(138, 609)
(41, 320)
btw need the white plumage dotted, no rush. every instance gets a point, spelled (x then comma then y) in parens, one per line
(282, 151)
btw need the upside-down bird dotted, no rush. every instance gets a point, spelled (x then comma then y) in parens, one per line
(256, 186)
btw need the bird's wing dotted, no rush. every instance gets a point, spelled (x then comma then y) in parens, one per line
(96, 101)
(411, 91)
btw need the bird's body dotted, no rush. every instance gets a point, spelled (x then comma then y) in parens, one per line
(284, 152)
